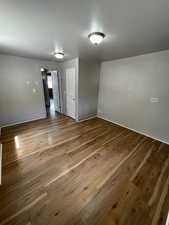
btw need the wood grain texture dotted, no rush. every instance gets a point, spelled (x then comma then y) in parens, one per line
(59, 172)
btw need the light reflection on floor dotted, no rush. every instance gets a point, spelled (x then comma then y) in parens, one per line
(17, 145)
(52, 106)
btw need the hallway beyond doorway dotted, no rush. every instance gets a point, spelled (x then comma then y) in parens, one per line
(51, 113)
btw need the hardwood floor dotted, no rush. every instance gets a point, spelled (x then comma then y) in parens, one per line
(59, 172)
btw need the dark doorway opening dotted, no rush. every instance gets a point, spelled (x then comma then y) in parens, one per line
(48, 92)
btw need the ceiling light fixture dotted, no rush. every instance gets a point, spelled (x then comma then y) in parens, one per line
(59, 55)
(96, 37)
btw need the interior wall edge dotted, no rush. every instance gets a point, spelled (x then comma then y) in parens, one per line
(134, 93)
(135, 56)
(24, 75)
(24, 121)
(139, 132)
(90, 116)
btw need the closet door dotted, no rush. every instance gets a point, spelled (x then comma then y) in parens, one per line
(70, 92)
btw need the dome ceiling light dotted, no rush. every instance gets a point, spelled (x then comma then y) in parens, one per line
(96, 37)
(59, 55)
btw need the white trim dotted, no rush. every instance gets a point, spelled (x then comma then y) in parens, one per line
(102, 117)
(0, 164)
(91, 117)
(24, 121)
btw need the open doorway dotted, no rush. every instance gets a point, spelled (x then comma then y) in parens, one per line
(51, 87)
(51, 107)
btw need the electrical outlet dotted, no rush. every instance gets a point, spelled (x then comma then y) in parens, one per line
(154, 100)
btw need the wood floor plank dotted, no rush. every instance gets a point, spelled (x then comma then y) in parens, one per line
(87, 183)
(24, 148)
(97, 210)
(57, 171)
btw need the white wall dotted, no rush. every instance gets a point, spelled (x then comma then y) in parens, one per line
(18, 77)
(127, 89)
(88, 88)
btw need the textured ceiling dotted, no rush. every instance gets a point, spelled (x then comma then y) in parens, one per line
(36, 28)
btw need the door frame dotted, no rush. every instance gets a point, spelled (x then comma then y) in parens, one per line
(76, 66)
(76, 96)
(60, 87)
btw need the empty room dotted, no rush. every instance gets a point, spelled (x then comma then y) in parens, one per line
(84, 112)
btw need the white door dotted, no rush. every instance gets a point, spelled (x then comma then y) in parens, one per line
(56, 93)
(70, 92)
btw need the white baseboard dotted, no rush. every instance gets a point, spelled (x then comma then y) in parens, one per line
(90, 117)
(0, 164)
(102, 117)
(24, 121)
